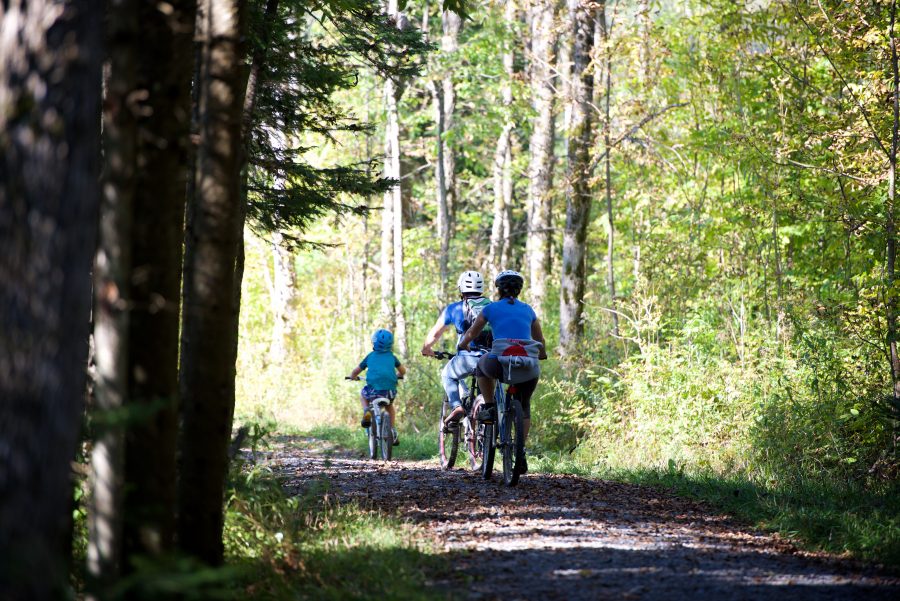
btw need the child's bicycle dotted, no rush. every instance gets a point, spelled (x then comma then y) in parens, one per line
(380, 432)
(467, 427)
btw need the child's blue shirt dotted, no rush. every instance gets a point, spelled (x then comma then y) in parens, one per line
(382, 370)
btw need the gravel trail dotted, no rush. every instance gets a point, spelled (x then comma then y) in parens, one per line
(572, 538)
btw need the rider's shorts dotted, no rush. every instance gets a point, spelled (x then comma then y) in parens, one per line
(370, 393)
(489, 367)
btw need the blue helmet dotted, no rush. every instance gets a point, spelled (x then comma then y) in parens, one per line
(382, 341)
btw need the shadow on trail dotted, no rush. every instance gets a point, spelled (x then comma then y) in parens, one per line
(568, 537)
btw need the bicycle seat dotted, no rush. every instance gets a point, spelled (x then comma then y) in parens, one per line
(381, 401)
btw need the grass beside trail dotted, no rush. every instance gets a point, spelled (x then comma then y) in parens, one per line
(848, 519)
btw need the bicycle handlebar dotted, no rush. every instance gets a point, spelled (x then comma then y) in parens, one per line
(443, 355)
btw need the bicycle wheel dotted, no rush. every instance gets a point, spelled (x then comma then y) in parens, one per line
(387, 437)
(373, 440)
(473, 444)
(487, 458)
(448, 439)
(513, 442)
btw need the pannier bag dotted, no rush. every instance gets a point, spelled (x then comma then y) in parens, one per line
(518, 358)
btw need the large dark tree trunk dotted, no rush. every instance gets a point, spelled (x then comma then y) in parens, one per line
(578, 193)
(49, 197)
(543, 51)
(211, 250)
(164, 43)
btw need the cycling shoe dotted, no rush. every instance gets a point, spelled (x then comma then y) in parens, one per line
(487, 414)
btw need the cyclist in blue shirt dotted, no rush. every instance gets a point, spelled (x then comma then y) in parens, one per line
(381, 378)
(460, 315)
(517, 347)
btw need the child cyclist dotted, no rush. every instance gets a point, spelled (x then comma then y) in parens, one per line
(384, 369)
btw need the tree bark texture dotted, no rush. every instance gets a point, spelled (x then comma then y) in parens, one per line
(211, 249)
(451, 23)
(49, 197)
(112, 284)
(164, 42)
(543, 59)
(578, 192)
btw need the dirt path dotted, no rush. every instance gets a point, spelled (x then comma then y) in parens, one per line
(567, 537)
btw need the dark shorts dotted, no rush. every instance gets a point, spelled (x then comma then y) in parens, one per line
(489, 367)
(370, 393)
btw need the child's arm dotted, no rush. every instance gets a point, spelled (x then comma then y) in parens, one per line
(401, 369)
(354, 375)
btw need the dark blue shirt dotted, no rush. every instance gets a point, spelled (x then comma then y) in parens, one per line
(510, 320)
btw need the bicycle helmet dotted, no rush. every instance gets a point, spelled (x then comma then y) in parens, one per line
(382, 341)
(509, 283)
(470, 281)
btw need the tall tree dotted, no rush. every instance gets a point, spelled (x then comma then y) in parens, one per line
(163, 46)
(498, 255)
(542, 60)
(211, 249)
(451, 23)
(112, 282)
(578, 192)
(49, 197)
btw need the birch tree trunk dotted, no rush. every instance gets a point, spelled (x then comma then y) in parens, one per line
(451, 23)
(207, 374)
(112, 280)
(502, 168)
(49, 198)
(543, 59)
(284, 292)
(578, 193)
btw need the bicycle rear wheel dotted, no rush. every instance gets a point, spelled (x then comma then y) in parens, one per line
(387, 437)
(512, 442)
(372, 434)
(448, 438)
(487, 458)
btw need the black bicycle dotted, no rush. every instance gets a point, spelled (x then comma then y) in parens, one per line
(467, 428)
(504, 429)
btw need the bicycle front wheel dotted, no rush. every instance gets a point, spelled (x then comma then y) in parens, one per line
(512, 440)
(448, 439)
(387, 437)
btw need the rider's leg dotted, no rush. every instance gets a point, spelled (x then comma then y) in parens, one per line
(455, 372)
(525, 390)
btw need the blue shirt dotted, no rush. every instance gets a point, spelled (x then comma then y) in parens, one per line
(510, 320)
(455, 314)
(382, 366)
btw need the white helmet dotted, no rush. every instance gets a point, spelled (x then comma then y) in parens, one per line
(470, 281)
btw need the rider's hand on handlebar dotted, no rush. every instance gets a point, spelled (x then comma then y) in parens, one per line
(427, 351)
(351, 378)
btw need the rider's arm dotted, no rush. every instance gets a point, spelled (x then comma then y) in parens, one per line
(473, 331)
(355, 373)
(537, 334)
(434, 335)
(401, 369)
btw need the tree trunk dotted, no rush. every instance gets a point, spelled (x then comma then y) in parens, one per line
(284, 292)
(500, 228)
(543, 49)
(211, 253)
(451, 23)
(607, 148)
(891, 211)
(112, 271)
(164, 43)
(443, 212)
(578, 193)
(49, 197)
